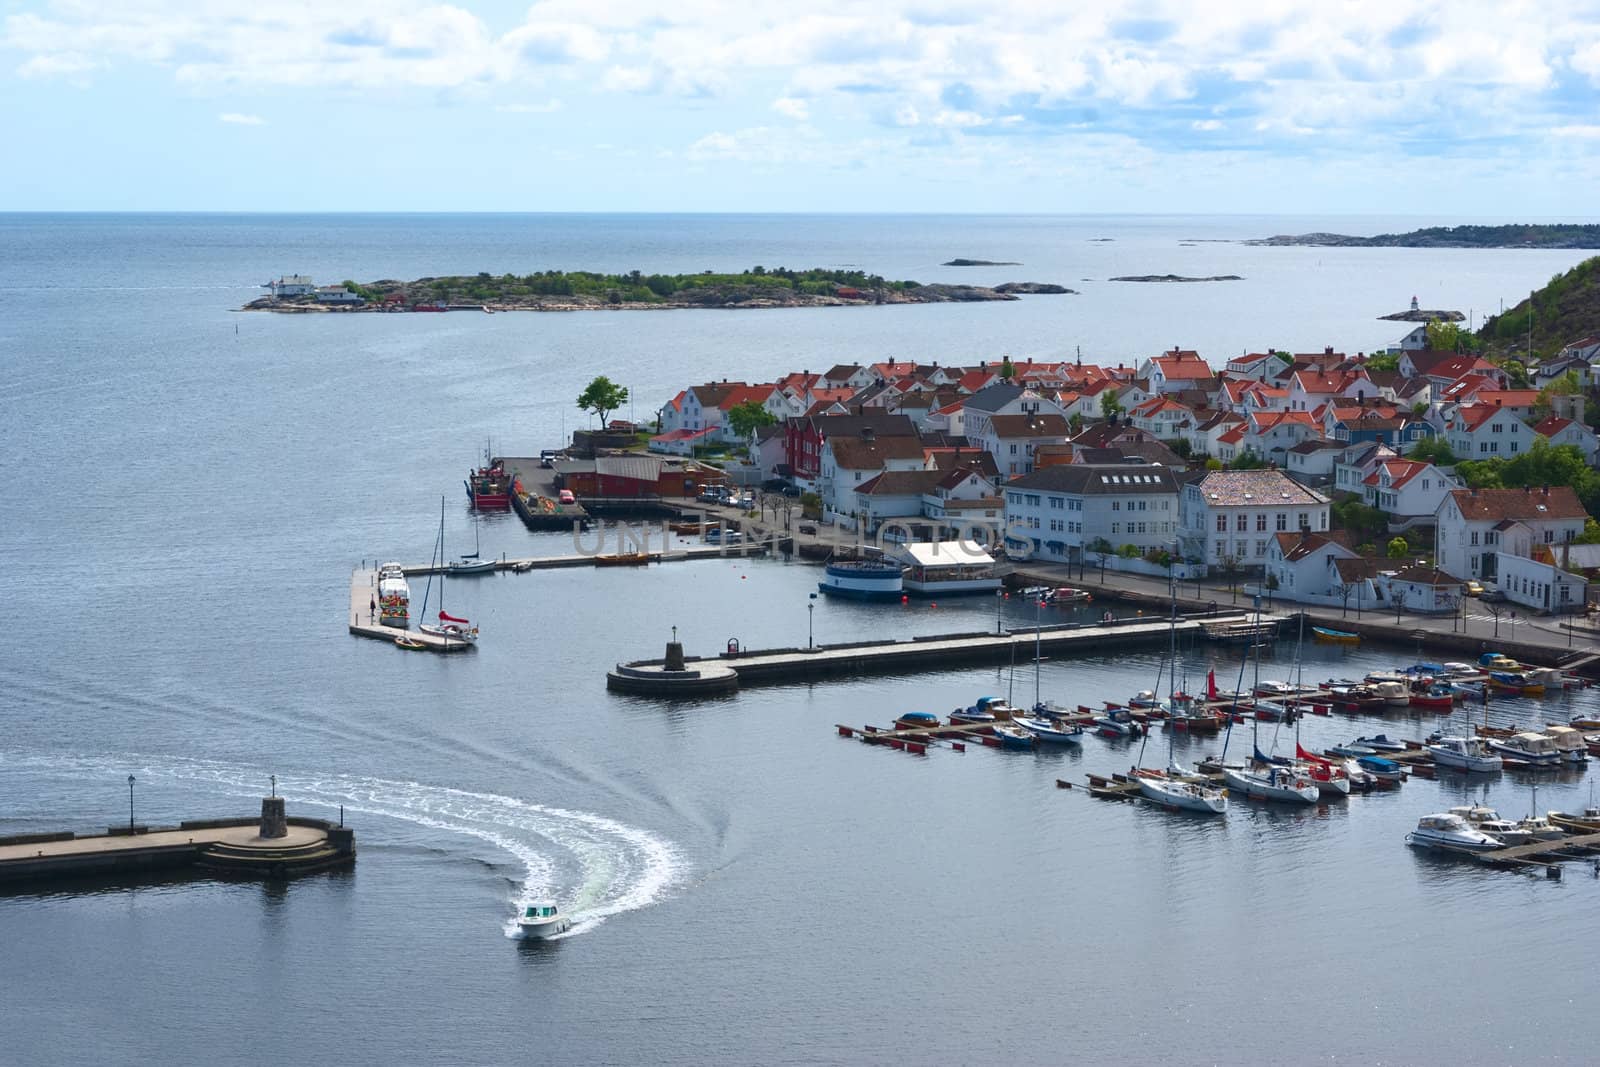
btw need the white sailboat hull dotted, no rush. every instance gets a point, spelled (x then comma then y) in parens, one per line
(1264, 787)
(1183, 796)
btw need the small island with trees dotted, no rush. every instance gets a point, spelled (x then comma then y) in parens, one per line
(1532, 235)
(554, 290)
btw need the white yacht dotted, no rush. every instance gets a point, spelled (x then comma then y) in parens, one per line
(1464, 753)
(1185, 796)
(1282, 784)
(1449, 831)
(1570, 743)
(1537, 749)
(542, 919)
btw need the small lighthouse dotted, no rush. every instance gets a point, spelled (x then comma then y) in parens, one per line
(1413, 303)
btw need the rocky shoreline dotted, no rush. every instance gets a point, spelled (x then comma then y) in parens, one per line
(1035, 288)
(1424, 315)
(1177, 278)
(1555, 236)
(733, 297)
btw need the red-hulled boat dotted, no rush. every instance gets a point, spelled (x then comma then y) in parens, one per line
(489, 488)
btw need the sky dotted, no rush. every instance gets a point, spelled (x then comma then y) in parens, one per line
(1272, 106)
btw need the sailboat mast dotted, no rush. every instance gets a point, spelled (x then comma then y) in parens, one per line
(1038, 646)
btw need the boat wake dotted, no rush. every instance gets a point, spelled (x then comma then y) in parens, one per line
(619, 868)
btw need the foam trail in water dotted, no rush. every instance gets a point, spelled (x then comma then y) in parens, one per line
(623, 868)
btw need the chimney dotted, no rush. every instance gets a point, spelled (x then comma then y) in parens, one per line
(866, 433)
(1547, 490)
(1327, 350)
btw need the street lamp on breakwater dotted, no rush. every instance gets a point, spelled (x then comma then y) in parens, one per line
(130, 803)
(811, 609)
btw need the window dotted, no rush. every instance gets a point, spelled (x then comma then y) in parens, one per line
(1283, 521)
(1483, 446)
(1114, 529)
(1013, 450)
(1261, 523)
(1301, 523)
(1242, 523)
(1261, 548)
(1222, 524)
(1496, 428)
(1222, 548)
(1032, 500)
(1057, 502)
(1513, 447)
(1549, 536)
(1474, 537)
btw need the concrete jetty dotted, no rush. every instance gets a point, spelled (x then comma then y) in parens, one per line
(276, 845)
(935, 652)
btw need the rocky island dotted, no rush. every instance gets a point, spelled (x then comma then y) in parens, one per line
(1177, 278)
(979, 263)
(757, 287)
(1424, 315)
(1034, 288)
(1558, 235)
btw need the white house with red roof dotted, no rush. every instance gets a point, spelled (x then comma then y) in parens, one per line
(1475, 526)
(1270, 434)
(1442, 368)
(1585, 348)
(1163, 418)
(1300, 565)
(1256, 366)
(948, 497)
(1407, 489)
(1012, 439)
(1563, 431)
(1483, 431)
(1175, 370)
(1310, 389)
(847, 376)
(977, 380)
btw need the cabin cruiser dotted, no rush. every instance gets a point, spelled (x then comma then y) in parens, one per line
(1052, 732)
(1382, 743)
(1489, 821)
(1395, 694)
(1537, 749)
(542, 919)
(1570, 743)
(1449, 831)
(1464, 753)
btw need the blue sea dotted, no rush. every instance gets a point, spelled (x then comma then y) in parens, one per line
(184, 490)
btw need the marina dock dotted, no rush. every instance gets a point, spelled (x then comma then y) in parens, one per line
(274, 846)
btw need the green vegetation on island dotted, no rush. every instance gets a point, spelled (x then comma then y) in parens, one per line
(1567, 308)
(1522, 235)
(556, 290)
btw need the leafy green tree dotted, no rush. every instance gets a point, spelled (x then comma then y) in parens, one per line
(1516, 373)
(1398, 548)
(1384, 362)
(602, 397)
(744, 418)
(1247, 461)
(1008, 370)
(1590, 535)
(1435, 450)
(1447, 336)
(1110, 406)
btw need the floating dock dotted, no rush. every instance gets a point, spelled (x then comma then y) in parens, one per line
(274, 846)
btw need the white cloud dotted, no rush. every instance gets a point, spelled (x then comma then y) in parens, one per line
(545, 108)
(237, 119)
(792, 107)
(1206, 124)
(1585, 132)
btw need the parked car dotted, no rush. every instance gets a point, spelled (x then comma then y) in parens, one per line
(566, 497)
(791, 490)
(1492, 595)
(1474, 587)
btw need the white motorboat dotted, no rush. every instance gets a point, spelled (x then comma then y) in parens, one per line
(1489, 821)
(1176, 794)
(1570, 743)
(1283, 784)
(1052, 732)
(472, 566)
(1540, 828)
(1464, 753)
(542, 919)
(1446, 830)
(1274, 688)
(1537, 749)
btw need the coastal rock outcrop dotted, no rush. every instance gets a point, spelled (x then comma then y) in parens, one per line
(980, 263)
(1424, 315)
(1034, 288)
(1177, 278)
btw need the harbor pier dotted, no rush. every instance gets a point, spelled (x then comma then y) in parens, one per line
(276, 845)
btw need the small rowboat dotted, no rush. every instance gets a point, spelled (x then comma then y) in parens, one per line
(1336, 637)
(628, 559)
(408, 642)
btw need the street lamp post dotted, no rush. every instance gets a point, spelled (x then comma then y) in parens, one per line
(811, 610)
(130, 803)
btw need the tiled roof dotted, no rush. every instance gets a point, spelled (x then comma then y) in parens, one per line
(1085, 478)
(1488, 505)
(855, 453)
(1255, 488)
(1297, 546)
(1049, 425)
(1551, 425)
(1417, 574)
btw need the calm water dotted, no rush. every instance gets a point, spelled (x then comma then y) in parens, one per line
(185, 490)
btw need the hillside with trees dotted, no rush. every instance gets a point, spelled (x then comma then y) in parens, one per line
(1564, 310)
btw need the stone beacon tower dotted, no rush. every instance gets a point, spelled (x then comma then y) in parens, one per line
(274, 821)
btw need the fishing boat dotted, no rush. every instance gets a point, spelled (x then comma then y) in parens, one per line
(394, 596)
(1464, 753)
(489, 487)
(1570, 743)
(917, 720)
(542, 919)
(1051, 732)
(623, 559)
(1010, 735)
(1382, 743)
(1537, 749)
(1519, 682)
(1586, 822)
(1450, 832)
(1335, 637)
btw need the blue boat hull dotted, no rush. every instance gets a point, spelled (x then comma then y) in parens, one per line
(846, 593)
